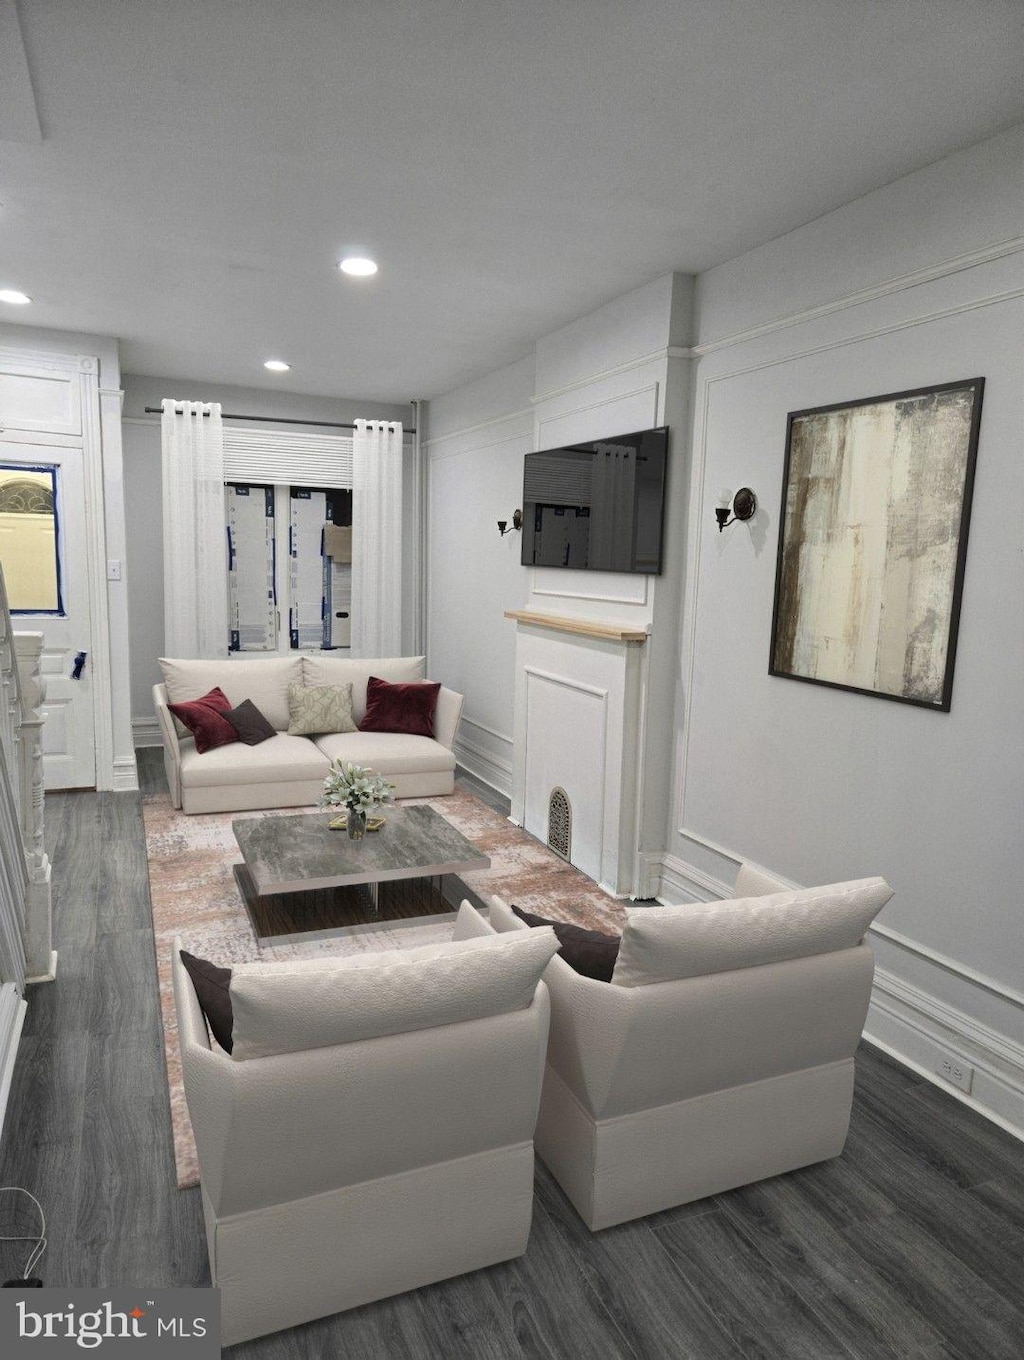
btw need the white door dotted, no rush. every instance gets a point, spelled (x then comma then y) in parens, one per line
(43, 552)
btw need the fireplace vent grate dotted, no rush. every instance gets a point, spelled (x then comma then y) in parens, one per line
(560, 823)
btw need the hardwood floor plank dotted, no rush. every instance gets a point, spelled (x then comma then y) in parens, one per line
(636, 1279)
(764, 1317)
(836, 1283)
(549, 1305)
(932, 1133)
(951, 1215)
(973, 1319)
(1005, 1198)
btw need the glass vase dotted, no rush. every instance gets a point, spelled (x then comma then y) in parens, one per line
(356, 824)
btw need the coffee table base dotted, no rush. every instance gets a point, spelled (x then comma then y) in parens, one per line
(326, 911)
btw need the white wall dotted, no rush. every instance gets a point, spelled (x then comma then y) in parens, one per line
(918, 283)
(476, 439)
(141, 436)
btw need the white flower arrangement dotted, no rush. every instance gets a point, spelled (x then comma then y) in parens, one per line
(354, 786)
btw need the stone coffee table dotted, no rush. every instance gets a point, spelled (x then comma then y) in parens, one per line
(301, 878)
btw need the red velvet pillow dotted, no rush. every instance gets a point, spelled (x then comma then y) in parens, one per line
(400, 708)
(205, 719)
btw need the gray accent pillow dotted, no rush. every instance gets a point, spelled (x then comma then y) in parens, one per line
(250, 724)
(314, 709)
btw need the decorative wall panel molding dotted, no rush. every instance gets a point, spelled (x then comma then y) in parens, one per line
(954, 265)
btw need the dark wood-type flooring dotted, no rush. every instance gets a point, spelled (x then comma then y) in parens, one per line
(910, 1245)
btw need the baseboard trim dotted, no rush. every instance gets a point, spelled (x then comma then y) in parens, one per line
(146, 732)
(485, 766)
(126, 776)
(918, 1030)
(670, 878)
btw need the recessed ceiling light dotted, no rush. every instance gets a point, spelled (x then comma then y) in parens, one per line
(358, 265)
(276, 365)
(17, 299)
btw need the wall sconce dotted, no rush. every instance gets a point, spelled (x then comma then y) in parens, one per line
(743, 505)
(517, 523)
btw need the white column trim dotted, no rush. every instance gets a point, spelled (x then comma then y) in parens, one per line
(96, 568)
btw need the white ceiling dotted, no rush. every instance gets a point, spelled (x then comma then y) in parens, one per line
(511, 165)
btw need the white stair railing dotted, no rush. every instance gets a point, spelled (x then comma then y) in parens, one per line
(25, 906)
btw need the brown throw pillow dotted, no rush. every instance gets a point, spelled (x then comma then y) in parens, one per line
(590, 953)
(250, 724)
(400, 708)
(211, 983)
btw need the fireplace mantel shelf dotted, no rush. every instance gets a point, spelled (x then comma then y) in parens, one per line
(616, 632)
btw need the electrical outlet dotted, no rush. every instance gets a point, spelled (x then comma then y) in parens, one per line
(956, 1072)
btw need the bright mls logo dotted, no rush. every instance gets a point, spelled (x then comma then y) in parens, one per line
(60, 1322)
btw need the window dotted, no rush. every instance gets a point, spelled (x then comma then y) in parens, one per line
(29, 538)
(289, 561)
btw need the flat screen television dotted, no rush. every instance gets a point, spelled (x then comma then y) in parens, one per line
(597, 505)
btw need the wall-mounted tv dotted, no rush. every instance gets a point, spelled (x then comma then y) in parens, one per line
(598, 505)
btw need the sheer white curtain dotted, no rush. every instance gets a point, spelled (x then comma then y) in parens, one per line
(195, 536)
(377, 538)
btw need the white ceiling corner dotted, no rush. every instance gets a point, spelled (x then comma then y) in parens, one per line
(19, 116)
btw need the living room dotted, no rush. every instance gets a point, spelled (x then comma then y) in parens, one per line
(836, 221)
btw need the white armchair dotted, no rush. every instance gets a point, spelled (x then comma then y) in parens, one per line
(659, 1092)
(335, 1173)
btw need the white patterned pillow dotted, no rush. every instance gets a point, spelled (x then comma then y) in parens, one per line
(314, 709)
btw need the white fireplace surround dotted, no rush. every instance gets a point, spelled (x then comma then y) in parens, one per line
(579, 699)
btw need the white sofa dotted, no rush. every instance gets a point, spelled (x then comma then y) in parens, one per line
(364, 1138)
(659, 1094)
(288, 771)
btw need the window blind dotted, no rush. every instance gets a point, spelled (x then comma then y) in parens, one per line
(287, 457)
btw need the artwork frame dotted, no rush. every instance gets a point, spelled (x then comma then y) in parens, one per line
(873, 529)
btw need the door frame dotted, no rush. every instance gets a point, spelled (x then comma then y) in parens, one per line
(83, 369)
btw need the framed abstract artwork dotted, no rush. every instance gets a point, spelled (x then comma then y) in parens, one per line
(876, 501)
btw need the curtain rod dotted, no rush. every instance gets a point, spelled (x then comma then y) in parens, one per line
(281, 420)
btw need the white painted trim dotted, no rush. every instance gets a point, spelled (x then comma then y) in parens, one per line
(950, 965)
(876, 333)
(491, 731)
(126, 776)
(541, 421)
(146, 732)
(472, 449)
(955, 265)
(50, 976)
(481, 425)
(918, 1030)
(41, 358)
(491, 769)
(637, 603)
(685, 880)
(663, 352)
(567, 682)
(96, 568)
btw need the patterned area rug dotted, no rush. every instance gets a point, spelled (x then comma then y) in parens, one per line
(194, 895)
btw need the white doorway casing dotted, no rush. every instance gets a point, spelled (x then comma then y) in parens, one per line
(578, 719)
(50, 403)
